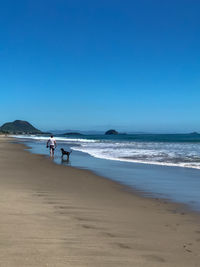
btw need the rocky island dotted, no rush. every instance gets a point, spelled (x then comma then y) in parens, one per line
(110, 132)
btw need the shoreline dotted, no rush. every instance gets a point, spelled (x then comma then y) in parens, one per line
(127, 159)
(180, 207)
(85, 219)
(175, 177)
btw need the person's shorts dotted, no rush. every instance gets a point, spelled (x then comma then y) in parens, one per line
(52, 147)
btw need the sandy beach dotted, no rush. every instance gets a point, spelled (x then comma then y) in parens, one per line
(52, 215)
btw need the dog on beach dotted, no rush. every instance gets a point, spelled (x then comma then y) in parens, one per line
(67, 153)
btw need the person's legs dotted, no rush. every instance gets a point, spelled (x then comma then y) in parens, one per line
(51, 151)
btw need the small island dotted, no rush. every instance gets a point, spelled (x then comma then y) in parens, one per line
(110, 132)
(194, 133)
(72, 133)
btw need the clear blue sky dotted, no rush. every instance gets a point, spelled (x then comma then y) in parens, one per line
(96, 64)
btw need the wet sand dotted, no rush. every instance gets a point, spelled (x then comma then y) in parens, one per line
(53, 215)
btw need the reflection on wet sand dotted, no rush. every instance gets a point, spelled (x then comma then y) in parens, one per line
(65, 162)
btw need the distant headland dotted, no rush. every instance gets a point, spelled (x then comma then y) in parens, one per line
(72, 133)
(19, 127)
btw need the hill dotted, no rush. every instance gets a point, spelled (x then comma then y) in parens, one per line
(19, 127)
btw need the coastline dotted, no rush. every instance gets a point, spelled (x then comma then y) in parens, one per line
(57, 215)
(174, 184)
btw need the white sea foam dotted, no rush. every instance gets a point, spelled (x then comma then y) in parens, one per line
(97, 154)
(63, 139)
(176, 154)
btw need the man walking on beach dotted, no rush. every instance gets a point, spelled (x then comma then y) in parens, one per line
(51, 143)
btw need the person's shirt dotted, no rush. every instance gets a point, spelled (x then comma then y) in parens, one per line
(51, 141)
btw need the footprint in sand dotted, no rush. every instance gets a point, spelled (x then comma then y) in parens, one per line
(187, 249)
(109, 235)
(86, 226)
(121, 245)
(153, 258)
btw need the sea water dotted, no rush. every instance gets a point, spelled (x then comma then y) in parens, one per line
(166, 166)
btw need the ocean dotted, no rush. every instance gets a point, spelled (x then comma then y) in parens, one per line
(158, 165)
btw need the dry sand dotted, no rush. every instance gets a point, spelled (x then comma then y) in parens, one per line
(53, 215)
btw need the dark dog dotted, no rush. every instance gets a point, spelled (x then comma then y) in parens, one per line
(65, 153)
